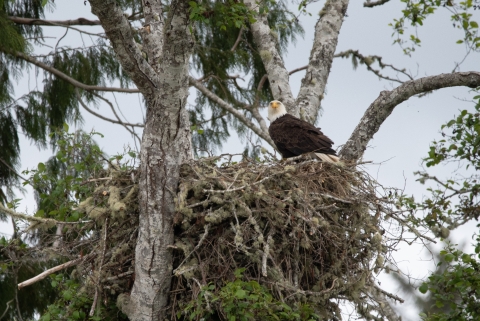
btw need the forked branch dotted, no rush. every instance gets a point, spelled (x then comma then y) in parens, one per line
(119, 31)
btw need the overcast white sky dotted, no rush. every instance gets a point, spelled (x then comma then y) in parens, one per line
(402, 140)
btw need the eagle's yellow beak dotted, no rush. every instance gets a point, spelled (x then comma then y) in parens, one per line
(274, 104)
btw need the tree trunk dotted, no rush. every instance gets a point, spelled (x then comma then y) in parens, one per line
(165, 146)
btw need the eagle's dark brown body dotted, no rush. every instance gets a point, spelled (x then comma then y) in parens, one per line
(294, 137)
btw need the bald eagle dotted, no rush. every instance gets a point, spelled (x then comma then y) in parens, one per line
(294, 136)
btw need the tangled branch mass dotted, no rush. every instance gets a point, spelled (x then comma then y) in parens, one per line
(307, 231)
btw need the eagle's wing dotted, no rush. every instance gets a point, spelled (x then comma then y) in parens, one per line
(294, 136)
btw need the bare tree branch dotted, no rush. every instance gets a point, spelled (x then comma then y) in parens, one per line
(267, 44)
(383, 106)
(6, 309)
(118, 121)
(13, 171)
(321, 57)
(369, 60)
(385, 309)
(297, 70)
(371, 4)
(204, 90)
(43, 22)
(119, 31)
(239, 38)
(118, 118)
(69, 79)
(46, 273)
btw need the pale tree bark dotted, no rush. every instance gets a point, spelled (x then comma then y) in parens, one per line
(325, 42)
(162, 77)
(165, 146)
(119, 32)
(266, 42)
(383, 106)
(152, 32)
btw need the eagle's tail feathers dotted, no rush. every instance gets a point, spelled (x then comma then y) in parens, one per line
(328, 158)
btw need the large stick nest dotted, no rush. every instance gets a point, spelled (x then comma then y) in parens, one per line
(306, 231)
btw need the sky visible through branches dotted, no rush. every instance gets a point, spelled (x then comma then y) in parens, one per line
(396, 150)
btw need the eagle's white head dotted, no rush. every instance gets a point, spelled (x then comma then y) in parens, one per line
(275, 110)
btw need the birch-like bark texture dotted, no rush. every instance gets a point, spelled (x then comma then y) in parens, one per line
(266, 43)
(165, 146)
(325, 42)
(166, 140)
(152, 32)
(119, 32)
(383, 106)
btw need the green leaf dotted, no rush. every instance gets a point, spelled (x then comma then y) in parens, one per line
(449, 257)
(466, 258)
(67, 295)
(41, 167)
(473, 24)
(241, 294)
(44, 3)
(423, 288)
(65, 125)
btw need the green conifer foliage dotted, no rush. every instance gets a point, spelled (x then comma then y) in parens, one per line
(216, 32)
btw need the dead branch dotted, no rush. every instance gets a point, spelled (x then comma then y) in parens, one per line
(60, 267)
